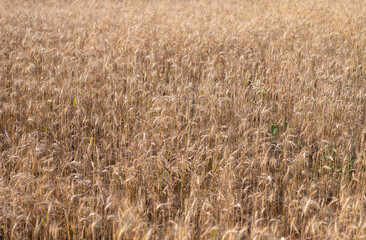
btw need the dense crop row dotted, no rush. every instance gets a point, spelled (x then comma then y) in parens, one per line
(182, 119)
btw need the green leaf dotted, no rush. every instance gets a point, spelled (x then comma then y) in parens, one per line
(228, 93)
(274, 128)
(42, 220)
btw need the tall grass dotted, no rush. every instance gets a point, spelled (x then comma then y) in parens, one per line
(182, 119)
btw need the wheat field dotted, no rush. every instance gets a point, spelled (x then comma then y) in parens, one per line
(183, 119)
